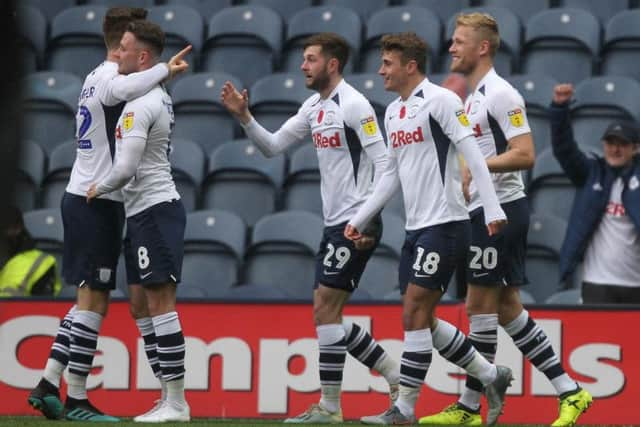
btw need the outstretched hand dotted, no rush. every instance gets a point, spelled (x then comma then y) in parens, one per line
(177, 64)
(237, 103)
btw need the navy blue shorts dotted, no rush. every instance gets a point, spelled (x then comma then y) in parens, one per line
(431, 255)
(92, 241)
(154, 245)
(499, 260)
(339, 264)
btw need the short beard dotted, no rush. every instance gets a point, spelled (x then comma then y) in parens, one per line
(320, 82)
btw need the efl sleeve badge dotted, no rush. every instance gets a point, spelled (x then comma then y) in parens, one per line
(462, 118)
(516, 117)
(369, 126)
(127, 123)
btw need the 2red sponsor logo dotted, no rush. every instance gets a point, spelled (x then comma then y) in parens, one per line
(322, 141)
(401, 137)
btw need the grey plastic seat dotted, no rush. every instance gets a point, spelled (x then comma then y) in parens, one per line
(32, 36)
(621, 44)
(524, 9)
(31, 168)
(598, 102)
(282, 252)
(187, 167)
(444, 9)
(188, 292)
(562, 43)
(566, 297)
(508, 55)
(603, 10)
(285, 8)
(129, 3)
(365, 8)
(372, 87)
(380, 276)
(550, 191)
(243, 181)
(544, 241)
(302, 185)
(47, 231)
(526, 297)
(244, 41)
(49, 8)
(76, 43)
(537, 91)
(49, 103)
(182, 26)
(421, 21)
(256, 293)
(214, 248)
(277, 97)
(58, 173)
(200, 116)
(344, 22)
(207, 8)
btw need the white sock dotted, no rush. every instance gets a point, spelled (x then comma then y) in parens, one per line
(175, 391)
(53, 371)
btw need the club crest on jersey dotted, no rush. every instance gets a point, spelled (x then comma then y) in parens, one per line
(369, 126)
(462, 118)
(516, 117)
(127, 123)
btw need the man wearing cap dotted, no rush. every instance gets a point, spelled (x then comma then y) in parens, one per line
(604, 228)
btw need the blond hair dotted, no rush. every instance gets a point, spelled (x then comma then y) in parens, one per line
(485, 25)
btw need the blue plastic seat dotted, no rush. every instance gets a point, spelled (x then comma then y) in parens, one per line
(524, 9)
(47, 231)
(207, 8)
(58, 173)
(302, 185)
(285, 8)
(444, 9)
(621, 45)
(182, 26)
(187, 168)
(550, 191)
(603, 10)
(31, 168)
(365, 8)
(32, 37)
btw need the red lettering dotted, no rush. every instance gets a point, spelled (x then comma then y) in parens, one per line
(322, 141)
(401, 137)
(616, 209)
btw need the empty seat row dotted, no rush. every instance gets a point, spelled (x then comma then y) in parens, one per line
(564, 42)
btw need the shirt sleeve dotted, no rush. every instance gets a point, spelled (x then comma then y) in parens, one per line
(452, 118)
(127, 87)
(508, 109)
(293, 130)
(361, 117)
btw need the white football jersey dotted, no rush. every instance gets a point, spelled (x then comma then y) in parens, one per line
(341, 126)
(149, 117)
(99, 106)
(423, 132)
(497, 113)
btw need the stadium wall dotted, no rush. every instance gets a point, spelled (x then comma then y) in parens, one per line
(260, 361)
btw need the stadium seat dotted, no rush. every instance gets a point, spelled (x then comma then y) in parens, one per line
(566, 297)
(282, 252)
(380, 277)
(68, 292)
(50, 101)
(49, 8)
(31, 168)
(199, 114)
(598, 102)
(537, 91)
(360, 295)
(421, 21)
(244, 41)
(285, 8)
(544, 241)
(187, 167)
(317, 19)
(365, 8)
(372, 87)
(207, 8)
(550, 191)
(396, 204)
(507, 58)
(243, 181)
(302, 185)
(214, 245)
(76, 43)
(275, 98)
(444, 9)
(526, 297)
(129, 3)
(58, 173)
(603, 10)
(185, 291)
(182, 26)
(121, 275)
(523, 9)
(621, 45)
(256, 293)
(562, 43)
(47, 231)
(32, 37)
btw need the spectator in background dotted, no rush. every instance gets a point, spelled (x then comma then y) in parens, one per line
(28, 271)
(604, 228)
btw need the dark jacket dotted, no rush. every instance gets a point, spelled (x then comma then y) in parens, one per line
(593, 179)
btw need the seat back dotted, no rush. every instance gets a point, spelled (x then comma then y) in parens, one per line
(621, 44)
(182, 26)
(302, 185)
(603, 10)
(47, 231)
(58, 173)
(187, 168)
(567, 297)
(31, 166)
(524, 9)
(365, 8)
(444, 9)
(32, 36)
(285, 8)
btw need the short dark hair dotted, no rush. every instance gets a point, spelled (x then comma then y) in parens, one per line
(148, 33)
(332, 45)
(410, 46)
(115, 23)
